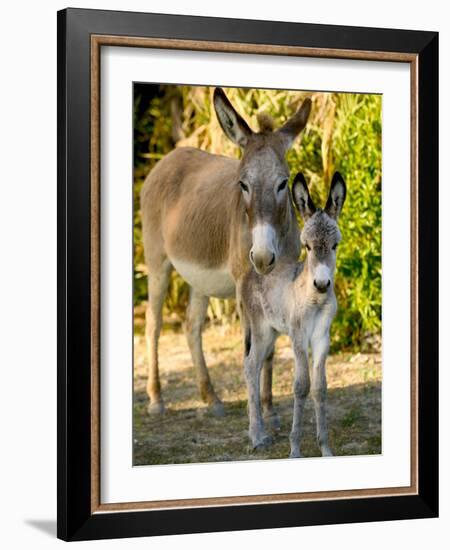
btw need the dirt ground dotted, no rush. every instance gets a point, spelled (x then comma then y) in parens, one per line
(187, 432)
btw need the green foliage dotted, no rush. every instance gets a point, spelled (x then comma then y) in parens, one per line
(343, 133)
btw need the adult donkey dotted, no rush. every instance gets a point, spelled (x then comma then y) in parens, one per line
(211, 218)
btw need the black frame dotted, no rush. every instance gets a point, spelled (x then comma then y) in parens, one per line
(75, 521)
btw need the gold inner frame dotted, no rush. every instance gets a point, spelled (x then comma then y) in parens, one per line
(97, 41)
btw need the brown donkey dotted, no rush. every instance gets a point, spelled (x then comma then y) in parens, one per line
(211, 218)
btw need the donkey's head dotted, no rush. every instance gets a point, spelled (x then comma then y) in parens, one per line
(320, 234)
(263, 176)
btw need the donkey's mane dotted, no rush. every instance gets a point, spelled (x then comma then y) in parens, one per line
(320, 226)
(265, 122)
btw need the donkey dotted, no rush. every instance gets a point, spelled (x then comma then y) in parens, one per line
(212, 218)
(298, 299)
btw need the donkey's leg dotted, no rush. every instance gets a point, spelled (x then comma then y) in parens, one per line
(196, 313)
(270, 415)
(301, 390)
(257, 345)
(320, 346)
(158, 281)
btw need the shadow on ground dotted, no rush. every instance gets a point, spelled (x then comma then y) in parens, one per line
(47, 526)
(188, 433)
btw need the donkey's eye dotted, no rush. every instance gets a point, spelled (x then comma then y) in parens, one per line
(282, 186)
(334, 246)
(244, 186)
(308, 247)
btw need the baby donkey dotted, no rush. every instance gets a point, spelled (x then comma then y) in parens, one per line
(296, 298)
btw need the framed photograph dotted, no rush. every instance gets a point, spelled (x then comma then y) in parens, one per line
(247, 256)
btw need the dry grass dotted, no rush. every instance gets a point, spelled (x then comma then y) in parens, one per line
(188, 433)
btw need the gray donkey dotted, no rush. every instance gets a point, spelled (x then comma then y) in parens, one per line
(298, 299)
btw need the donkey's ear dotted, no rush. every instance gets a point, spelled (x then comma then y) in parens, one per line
(302, 198)
(336, 198)
(290, 130)
(231, 122)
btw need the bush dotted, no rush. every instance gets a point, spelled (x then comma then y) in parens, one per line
(343, 133)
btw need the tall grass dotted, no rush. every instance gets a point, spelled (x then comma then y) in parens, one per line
(343, 133)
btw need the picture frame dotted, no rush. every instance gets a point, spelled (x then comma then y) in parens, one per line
(81, 35)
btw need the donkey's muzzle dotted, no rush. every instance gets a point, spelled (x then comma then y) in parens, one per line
(263, 262)
(322, 285)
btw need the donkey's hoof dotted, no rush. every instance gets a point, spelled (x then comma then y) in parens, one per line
(217, 409)
(156, 408)
(296, 454)
(272, 421)
(262, 442)
(326, 451)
